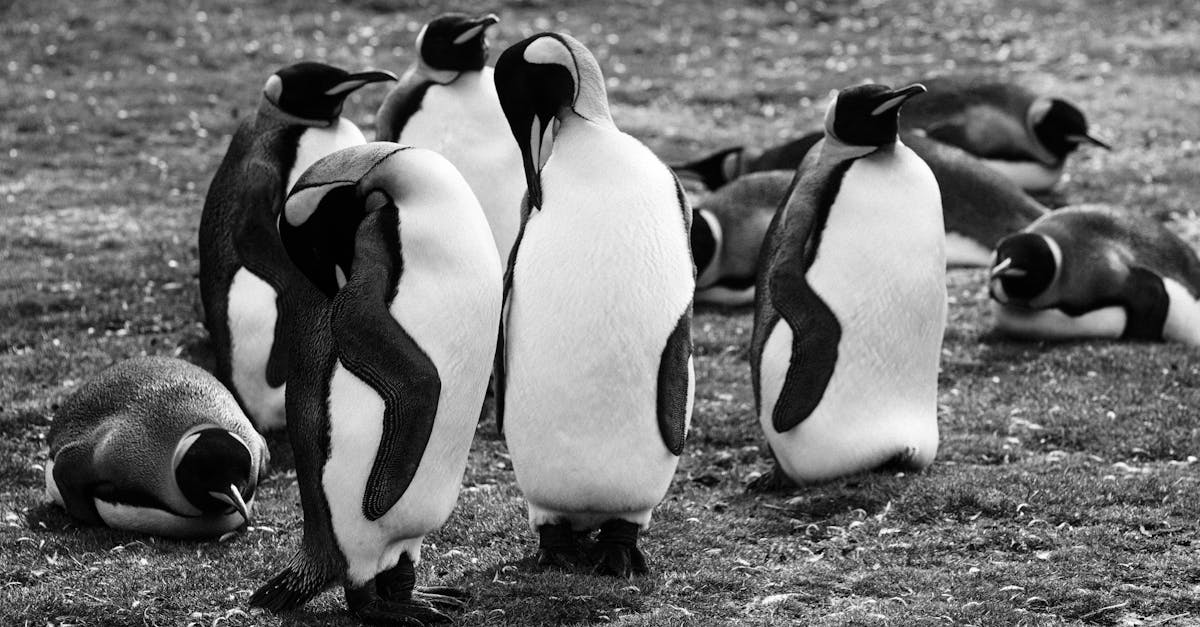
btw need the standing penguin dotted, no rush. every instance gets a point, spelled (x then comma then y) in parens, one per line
(1024, 136)
(594, 378)
(243, 269)
(851, 302)
(447, 103)
(393, 346)
(1097, 272)
(155, 445)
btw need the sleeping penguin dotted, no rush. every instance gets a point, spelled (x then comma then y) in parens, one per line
(447, 103)
(158, 446)
(243, 269)
(851, 302)
(391, 352)
(1093, 271)
(594, 376)
(1024, 136)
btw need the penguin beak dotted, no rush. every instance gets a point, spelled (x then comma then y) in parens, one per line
(476, 27)
(1005, 268)
(1084, 138)
(233, 497)
(892, 99)
(354, 81)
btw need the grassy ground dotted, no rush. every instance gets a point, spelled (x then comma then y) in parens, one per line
(1066, 490)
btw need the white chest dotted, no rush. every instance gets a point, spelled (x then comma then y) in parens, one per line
(316, 142)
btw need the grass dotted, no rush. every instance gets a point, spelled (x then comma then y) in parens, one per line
(1066, 488)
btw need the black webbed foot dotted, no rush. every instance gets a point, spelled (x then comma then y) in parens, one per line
(392, 599)
(616, 553)
(558, 547)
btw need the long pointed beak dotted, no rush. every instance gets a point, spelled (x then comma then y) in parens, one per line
(354, 81)
(234, 497)
(1088, 139)
(477, 26)
(896, 97)
(1005, 268)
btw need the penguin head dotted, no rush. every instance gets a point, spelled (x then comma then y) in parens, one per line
(1025, 266)
(1060, 127)
(215, 472)
(454, 43)
(867, 115)
(315, 91)
(548, 77)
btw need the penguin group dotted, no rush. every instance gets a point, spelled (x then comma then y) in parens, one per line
(501, 233)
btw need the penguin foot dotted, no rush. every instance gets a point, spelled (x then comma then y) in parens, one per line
(558, 547)
(616, 553)
(371, 608)
(444, 597)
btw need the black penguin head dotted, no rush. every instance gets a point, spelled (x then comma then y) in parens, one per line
(704, 244)
(215, 473)
(1024, 267)
(315, 91)
(867, 115)
(455, 42)
(545, 77)
(1060, 127)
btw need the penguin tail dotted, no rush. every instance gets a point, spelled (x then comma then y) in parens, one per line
(296, 585)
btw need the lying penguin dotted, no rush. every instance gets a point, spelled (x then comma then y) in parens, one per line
(155, 445)
(1024, 136)
(1096, 272)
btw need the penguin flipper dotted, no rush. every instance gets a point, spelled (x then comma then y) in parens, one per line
(75, 476)
(1146, 303)
(399, 106)
(294, 586)
(815, 329)
(675, 383)
(499, 371)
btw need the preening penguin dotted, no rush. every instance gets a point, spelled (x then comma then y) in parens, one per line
(447, 102)
(155, 445)
(851, 302)
(243, 268)
(391, 354)
(1024, 136)
(594, 377)
(1096, 272)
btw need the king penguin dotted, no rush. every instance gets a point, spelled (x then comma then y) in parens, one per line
(391, 355)
(243, 269)
(155, 445)
(447, 102)
(1023, 135)
(851, 302)
(594, 377)
(728, 227)
(1093, 271)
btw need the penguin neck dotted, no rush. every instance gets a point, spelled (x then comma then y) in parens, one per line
(1037, 112)
(268, 110)
(434, 75)
(834, 150)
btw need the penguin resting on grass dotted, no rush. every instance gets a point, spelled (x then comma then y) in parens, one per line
(243, 269)
(1093, 271)
(155, 445)
(1024, 136)
(393, 346)
(594, 377)
(851, 302)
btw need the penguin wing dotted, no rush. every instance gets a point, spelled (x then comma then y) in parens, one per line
(499, 372)
(399, 106)
(815, 329)
(75, 475)
(674, 375)
(986, 131)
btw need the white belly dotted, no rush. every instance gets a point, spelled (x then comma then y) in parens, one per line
(316, 143)
(252, 317)
(881, 270)
(464, 122)
(162, 523)
(1183, 317)
(601, 280)
(1029, 175)
(962, 251)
